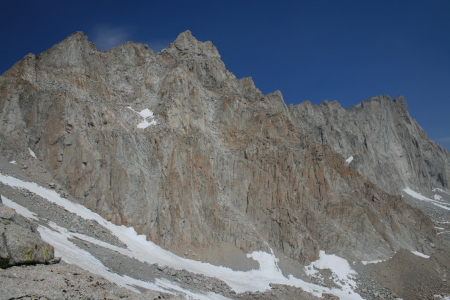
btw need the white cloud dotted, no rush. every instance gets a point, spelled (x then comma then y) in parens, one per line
(444, 140)
(106, 37)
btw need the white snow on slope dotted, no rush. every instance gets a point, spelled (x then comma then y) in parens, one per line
(343, 274)
(440, 190)
(139, 248)
(440, 297)
(72, 254)
(423, 198)
(32, 153)
(444, 222)
(54, 197)
(145, 113)
(437, 197)
(420, 254)
(349, 160)
(77, 256)
(378, 261)
(366, 262)
(19, 209)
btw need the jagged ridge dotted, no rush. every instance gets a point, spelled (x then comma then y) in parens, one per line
(388, 146)
(224, 165)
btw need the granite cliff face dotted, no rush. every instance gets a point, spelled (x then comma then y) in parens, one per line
(388, 147)
(174, 145)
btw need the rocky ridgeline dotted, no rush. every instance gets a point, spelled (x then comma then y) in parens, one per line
(388, 146)
(221, 162)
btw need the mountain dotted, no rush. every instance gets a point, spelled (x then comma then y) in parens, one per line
(388, 147)
(174, 145)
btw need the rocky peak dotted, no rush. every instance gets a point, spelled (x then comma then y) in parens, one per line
(77, 36)
(78, 40)
(277, 99)
(222, 163)
(186, 45)
(70, 52)
(400, 99)
(389, 147)
(401, 104)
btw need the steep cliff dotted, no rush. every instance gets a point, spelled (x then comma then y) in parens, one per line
(174, 145)
(388, 146)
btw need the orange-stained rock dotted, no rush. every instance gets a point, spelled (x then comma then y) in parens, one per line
(223, 164)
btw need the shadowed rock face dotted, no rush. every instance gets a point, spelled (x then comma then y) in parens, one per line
(224, 163)
(389, 147)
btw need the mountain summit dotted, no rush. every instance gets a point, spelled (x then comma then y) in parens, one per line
(174, 145)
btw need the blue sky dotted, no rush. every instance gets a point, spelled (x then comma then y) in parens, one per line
(309, 50)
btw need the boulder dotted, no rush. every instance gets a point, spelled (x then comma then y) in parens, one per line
(20, 243)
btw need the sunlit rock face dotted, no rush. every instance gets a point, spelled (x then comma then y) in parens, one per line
(216, 161)
(388, 146)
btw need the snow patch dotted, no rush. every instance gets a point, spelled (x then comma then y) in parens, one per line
(441, 297)
(32, 153)
(169, 285)
(423, 198)
(349, 160)
(443, 222)
(343, 274)
(437, 197)
(420, 254)
(440, 190)
(365, 262)
(145, 113)
(53, 197)
(19, 209)
(72, 254)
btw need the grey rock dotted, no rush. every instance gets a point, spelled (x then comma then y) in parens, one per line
(389, 147)
(224, 163)
(65, 281)
(20, 243)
